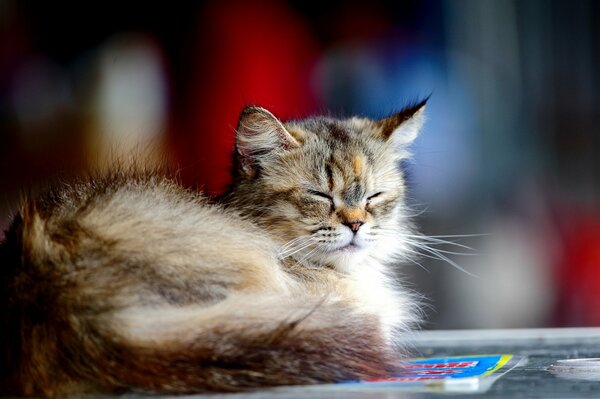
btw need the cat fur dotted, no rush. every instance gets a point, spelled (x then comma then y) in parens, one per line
(127, 281)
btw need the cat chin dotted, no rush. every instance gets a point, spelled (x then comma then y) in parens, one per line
(345, 258)
(350, 249)
(347, 253)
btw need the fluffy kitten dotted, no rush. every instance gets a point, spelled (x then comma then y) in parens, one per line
(127, 281)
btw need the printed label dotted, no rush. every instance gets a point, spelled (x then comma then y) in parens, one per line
(448, 367)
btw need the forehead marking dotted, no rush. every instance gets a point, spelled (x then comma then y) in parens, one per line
(354, 194)
(329, 173)
(357, 164)
(338, 133)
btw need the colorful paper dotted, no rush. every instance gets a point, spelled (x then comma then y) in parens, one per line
(439, 368)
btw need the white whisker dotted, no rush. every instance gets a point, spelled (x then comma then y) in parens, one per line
(310, 253)
(293, 242)
(436, 255)
(294, 250)
(424, 245)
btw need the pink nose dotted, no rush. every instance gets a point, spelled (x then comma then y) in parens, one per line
(354, 225)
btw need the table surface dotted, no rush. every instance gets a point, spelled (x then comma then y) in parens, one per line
(538, 349)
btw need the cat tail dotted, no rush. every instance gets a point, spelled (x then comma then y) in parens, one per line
(54, 347)
(238, 344)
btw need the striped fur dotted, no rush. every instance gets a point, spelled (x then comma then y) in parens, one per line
(128, 282)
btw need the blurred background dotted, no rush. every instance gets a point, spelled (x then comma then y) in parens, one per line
(509, 156)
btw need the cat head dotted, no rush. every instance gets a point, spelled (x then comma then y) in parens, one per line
(331, 189)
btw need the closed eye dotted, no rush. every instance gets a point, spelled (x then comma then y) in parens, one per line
(321, 195)
(369, 199)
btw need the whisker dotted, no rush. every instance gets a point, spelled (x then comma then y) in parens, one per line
(292, 251)
(424, 245)
(437, 241)
(418, 213)
(294, 241)
(448, 252)
(461, 235)
(308, 254)
(419, 264)
(436, 255)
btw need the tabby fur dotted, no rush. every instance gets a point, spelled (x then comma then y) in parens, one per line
(127, 281)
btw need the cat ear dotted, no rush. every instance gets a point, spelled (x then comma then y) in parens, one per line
(402, 128)
(259, 135)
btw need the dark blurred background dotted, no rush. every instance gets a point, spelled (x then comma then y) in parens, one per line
(510, 152)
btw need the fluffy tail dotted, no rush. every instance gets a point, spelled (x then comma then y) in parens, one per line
(183, 350)
(49, 346)
(191, 350)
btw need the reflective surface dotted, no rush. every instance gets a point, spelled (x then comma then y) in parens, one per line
(533, 377)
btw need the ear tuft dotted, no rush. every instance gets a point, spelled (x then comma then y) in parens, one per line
(260, 134)
(403, 127)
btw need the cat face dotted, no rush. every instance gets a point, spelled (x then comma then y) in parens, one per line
(331, 190)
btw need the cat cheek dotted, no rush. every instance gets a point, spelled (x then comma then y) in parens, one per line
(312, 209)
(373, 211)
(383, 208)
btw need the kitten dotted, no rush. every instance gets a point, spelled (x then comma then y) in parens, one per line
(127, 281)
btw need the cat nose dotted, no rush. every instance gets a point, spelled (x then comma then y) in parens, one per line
(354, 225)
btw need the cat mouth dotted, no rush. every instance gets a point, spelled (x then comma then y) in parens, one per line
(348, 248)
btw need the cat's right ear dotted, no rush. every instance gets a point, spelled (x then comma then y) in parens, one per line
(259, 136)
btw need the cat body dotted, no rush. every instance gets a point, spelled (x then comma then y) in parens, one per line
(127, 281)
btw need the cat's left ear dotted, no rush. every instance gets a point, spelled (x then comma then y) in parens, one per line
(259, 136)
(402, 128)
